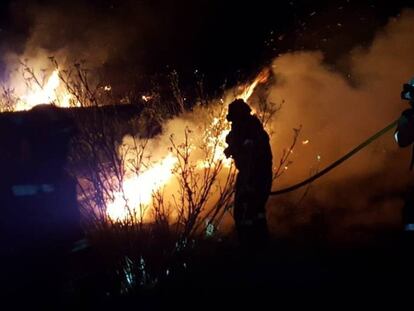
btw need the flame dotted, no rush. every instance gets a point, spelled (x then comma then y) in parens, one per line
(138, 190)
(215, 139)
(219, 130)
(48, 94)
(146, 98)
(221, 145)
(132, 202)
(219, 127)
(136, 196)
(262, 77)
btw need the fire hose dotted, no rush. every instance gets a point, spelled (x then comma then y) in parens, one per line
(337, 162)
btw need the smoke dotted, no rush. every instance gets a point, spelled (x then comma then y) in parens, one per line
(340, 109)
(104, 37)
(78, 31)
(66, 32)
(337, 109)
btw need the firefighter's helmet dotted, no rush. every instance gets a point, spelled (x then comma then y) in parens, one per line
(408, 91)
(238, 108)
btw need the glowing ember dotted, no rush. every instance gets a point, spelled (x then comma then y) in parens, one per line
(48, 94)
(107, 88)
(146, 98)
(138, 190)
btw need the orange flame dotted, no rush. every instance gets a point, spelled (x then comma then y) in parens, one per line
(211, 132)
(137, 191)
(50, 93)
(215, 139)
(262, 77)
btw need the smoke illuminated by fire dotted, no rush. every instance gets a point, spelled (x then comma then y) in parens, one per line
(138, 189)
(214, 130)
(336, 108)
(131, 202)
(215, 139)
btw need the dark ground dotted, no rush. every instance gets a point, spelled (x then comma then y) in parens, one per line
(289, 272)
(295, 273)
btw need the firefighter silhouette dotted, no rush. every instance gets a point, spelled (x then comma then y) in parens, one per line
(404, 135)
(248, 144)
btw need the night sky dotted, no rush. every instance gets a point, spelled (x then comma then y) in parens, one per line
(222, 40)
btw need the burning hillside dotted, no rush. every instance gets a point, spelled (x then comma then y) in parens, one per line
(336, 109)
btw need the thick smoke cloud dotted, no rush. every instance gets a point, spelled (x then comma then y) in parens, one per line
(338, 110)
(112, 33)
(77, 31)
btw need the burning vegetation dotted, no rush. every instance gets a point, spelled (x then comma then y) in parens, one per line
(143, 168)
(170, 187)
(154, 182)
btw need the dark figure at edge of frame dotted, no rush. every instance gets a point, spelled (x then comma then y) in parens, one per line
(404, 135)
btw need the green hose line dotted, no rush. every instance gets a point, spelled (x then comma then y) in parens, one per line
(339, 161)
